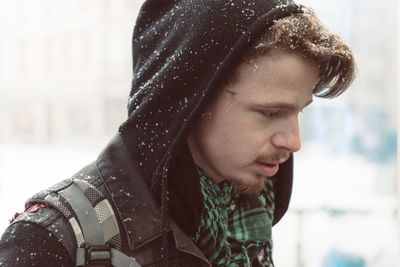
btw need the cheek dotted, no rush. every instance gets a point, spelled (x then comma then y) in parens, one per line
(220, 138)
(234, 134)
(237, 141)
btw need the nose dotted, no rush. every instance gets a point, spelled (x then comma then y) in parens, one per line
(288, 136)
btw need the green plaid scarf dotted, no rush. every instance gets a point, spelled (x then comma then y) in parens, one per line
(234, 228)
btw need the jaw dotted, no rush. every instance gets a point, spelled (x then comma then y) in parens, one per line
(250, 189)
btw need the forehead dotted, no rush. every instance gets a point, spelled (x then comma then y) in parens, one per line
(279, 74)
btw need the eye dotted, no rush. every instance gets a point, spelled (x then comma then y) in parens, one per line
(271, 113)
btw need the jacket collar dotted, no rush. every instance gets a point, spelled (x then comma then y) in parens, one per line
(133, 199)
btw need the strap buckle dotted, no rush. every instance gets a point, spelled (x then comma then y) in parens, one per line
(98, 256)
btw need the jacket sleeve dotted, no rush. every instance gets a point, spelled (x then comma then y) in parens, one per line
(28, 244)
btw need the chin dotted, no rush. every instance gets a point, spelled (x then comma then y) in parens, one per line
(250, 188)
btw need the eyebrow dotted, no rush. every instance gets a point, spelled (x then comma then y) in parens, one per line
(282, 105)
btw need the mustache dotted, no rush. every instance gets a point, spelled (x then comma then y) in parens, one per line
(279, 156)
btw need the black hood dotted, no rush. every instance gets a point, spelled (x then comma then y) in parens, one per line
(182, 52)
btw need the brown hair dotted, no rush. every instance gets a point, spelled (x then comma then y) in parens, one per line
(303, 33)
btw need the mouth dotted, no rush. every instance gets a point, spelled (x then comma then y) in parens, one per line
(267, 169)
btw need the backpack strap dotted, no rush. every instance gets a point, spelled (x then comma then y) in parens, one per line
(85, 214)
(94, 224)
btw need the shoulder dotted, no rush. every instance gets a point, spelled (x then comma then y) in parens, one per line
(33, 240)
(42, 235)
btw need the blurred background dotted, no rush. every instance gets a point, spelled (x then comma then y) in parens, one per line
(65, 70)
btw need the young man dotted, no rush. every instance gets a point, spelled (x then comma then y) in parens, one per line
(202, 168)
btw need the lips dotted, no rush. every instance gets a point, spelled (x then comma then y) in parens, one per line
(267, 169)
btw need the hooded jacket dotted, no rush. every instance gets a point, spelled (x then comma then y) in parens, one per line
(183, 51)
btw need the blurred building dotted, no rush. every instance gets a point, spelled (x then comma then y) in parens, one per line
(344, 203)
(365, 117)
(65, 68)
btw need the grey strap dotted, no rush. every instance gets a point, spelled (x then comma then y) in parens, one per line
(119, 259)
(80, 257)
(92, 231)
(86, 214)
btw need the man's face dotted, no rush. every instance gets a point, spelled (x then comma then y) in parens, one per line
(252, 125)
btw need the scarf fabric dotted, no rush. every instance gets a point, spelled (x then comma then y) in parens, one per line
(235, 229)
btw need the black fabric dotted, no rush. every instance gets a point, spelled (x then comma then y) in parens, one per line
(26, 244)
(186, 198)
(283, 189)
